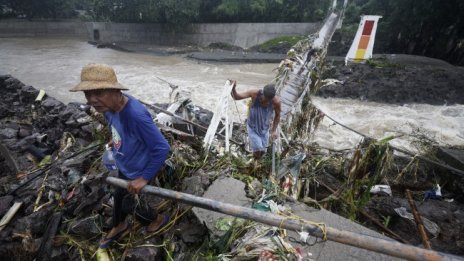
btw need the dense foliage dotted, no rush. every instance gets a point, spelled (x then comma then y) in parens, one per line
(172, 11)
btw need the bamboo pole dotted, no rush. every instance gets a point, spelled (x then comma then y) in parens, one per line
(10, 214)
(383, 246)
(418, 219)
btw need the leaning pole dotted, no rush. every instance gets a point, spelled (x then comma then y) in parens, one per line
(388, 247)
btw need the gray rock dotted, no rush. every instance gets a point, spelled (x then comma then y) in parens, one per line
(51, 103)
(89, 128)
(5, 204)
(73, 175)
(25, 131)
(78, 161)
(255, 188)
(146, 253)
(56, 182)
(13, 83)
(67, 113)
(4, 182)
(89, 201)
(226, 190)
(87, 227)
(193, 185)
(4, 76)
(60, 253)
(36, 222)
(192, 234)
(8, 133)
(28, 94)
(5, 111)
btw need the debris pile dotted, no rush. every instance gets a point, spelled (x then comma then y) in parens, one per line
(53, 190)
(57, 204)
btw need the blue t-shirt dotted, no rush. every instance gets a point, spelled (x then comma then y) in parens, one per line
(139, 148)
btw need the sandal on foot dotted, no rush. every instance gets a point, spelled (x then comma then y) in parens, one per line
(107, 241)
(166, 219)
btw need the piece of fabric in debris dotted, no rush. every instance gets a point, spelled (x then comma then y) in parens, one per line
(289, 172)
(432, 227)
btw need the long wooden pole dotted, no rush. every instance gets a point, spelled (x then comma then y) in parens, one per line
(383, 246)
(418, 219)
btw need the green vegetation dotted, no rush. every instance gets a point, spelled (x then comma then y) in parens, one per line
(279, 44)
(383, 62)
(225, 46)
(175, 12)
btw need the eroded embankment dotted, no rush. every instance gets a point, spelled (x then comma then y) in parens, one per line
(400, 79)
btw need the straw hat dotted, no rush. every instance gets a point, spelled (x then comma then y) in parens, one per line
(98, 77)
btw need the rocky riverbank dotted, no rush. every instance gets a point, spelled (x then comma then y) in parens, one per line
(212, 53)
(397, 79)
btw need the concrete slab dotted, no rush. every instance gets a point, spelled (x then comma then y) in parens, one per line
(237, 56)
(226, 190)
(232, 191)
(333, 251)
(452, 157)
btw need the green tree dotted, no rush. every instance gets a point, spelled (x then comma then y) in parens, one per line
(41, 9)
(179, 12)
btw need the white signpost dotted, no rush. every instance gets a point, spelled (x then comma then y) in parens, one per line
(363, 43)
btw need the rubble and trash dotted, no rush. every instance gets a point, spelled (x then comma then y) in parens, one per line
(378, 189)
(435, 193)
(431, 227)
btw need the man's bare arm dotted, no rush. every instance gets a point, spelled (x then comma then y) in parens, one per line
(276, 104)
(241, 95)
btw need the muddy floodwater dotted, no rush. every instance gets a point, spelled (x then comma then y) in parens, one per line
(54, 65)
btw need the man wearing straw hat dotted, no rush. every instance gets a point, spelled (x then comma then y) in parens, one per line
(138, 146)
(263, 103)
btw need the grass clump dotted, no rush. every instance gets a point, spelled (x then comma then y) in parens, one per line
(279, 44)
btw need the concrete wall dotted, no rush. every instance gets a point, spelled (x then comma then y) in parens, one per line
(42, 29)
(240, 34)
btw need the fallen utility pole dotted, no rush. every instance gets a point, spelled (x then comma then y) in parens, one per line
(391, 248)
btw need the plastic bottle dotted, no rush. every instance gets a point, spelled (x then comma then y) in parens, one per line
(108, 159)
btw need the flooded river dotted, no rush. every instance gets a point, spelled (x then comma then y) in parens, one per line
(54, 65)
